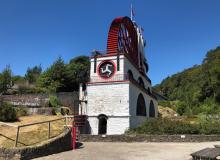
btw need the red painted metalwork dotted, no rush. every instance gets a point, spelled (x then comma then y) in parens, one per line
(122, 38)
(73, 137)
(78, 121)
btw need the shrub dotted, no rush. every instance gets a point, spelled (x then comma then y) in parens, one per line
(56, 111)
(165, 103)
(7, 112)
(65, 110)
(53, 111)
(21, 111)
(167, 126)
(53, 101)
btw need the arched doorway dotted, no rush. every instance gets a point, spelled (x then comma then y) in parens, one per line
(152, 109)
(141, 107)
(102, 124)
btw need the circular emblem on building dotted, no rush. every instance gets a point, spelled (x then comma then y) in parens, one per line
(106, 69)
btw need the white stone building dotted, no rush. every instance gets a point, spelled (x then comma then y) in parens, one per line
(119, 93)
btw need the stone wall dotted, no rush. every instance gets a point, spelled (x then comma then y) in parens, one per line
(40, 111)
(149, 138)
(69, 99)
(109, 99)
(112, 100)
(54, 145)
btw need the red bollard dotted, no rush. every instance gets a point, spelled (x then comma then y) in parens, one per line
(74, 137)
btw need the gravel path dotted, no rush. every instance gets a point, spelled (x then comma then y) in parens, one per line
(131, 151)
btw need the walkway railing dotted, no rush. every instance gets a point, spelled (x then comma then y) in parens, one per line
(37, 123)
(115, 78)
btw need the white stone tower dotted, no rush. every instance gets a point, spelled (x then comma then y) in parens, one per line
(119, 92)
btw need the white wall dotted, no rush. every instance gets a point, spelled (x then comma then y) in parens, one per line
(136, 121)
(133, 96)
(108, 98)
(115, 125)
(116, 100)
(112, 58)
(136, 73)
(134, 93)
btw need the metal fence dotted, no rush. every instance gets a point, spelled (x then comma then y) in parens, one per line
(37, 123)
(34, 133)
(117, 77)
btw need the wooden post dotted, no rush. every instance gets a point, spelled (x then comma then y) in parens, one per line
(49, 130)
(17, 136)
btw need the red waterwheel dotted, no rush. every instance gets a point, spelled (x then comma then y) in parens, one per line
(122, 38)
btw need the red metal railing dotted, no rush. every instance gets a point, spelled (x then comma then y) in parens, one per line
(78, 121)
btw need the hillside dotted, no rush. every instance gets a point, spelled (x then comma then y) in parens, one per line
(197, 89)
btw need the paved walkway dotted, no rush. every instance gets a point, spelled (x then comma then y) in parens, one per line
(131, 151)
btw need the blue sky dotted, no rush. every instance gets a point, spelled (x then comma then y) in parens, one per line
(178, 32)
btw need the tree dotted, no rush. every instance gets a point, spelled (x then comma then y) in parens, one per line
(77, 71)
(6, 80)
(53, 78)
(65, 78)
(32, 74)
(197, 88)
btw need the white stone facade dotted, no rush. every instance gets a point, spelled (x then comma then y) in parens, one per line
(116, 97)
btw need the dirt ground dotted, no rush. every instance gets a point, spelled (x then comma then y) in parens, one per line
(8, 130)
(131, 151)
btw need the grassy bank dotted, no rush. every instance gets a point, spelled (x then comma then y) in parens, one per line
(168, 126)
(30, 135)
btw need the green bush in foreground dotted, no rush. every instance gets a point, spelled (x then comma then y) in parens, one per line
(21, 111)
(166, 126)
(7, 113)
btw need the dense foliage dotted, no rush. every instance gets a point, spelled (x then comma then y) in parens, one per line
(65, 77)
(5, 80)
(77, 71)
(52, 79)
(59, 77)
(7, 112)
(32, 74)
(197, 89)
(167, 126)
